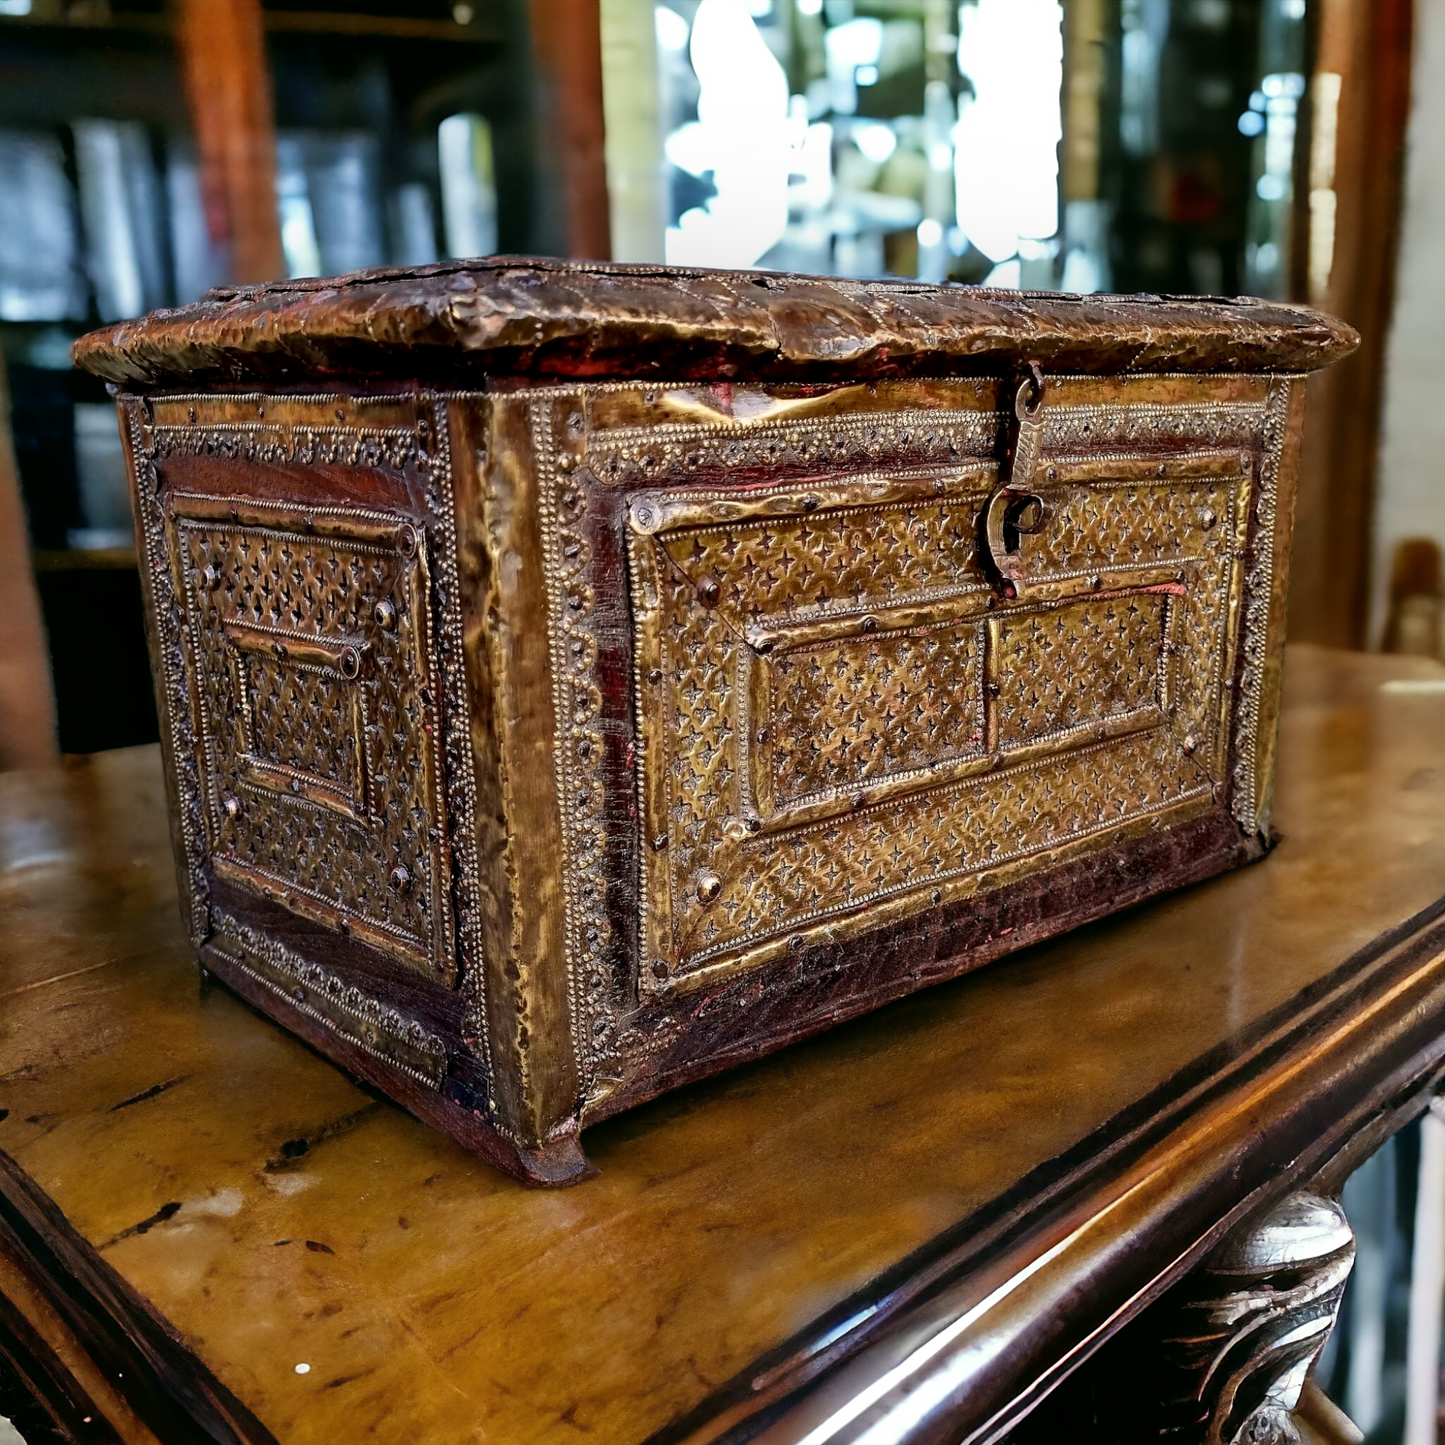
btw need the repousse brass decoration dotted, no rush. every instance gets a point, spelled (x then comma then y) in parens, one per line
(320, 721)
(576, 680)
(839, 710)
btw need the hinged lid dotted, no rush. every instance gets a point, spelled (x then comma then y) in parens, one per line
(532, 317)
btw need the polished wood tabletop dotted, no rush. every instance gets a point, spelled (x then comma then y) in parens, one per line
(344, 1272)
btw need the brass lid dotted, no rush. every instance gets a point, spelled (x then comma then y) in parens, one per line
(527, 316)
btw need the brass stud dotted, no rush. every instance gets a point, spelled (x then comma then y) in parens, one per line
(659, 843)
(654, 675)
(400, 880)
(385, 615)
(708, 592)
(231, 805)
(763, 734)
(1095, 583)
(709, 885)
(659, 969)
(349, 663)
(1190, 742)
(1207, 519)
(211, 578)
(407, 540)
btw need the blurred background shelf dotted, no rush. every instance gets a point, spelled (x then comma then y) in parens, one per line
(150, 149)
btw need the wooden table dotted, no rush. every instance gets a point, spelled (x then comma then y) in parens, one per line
(927, 1218)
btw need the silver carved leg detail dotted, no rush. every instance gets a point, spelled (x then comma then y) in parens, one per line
(1239, 1337)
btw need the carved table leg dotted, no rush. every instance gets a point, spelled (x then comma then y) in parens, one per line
(1238, 1338)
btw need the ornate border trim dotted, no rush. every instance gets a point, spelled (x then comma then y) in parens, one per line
(321, 995)
(1258, 595)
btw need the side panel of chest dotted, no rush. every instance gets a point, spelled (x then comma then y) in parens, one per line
(300, 556)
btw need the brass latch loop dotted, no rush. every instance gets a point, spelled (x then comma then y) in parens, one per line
(1014, 509)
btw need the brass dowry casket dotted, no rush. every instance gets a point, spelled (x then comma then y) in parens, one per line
(578, 679)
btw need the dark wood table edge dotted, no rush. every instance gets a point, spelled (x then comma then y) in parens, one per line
(1316, 1137)
(148, 1364)
(1312, 1140)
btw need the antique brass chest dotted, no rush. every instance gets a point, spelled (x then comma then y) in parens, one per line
(579, 679)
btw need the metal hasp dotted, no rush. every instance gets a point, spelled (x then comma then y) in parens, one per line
(1015, 510)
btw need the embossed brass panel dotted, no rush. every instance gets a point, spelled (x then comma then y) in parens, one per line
(839, 710)
(315, 697)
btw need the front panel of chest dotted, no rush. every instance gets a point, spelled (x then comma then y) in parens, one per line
(797, 701)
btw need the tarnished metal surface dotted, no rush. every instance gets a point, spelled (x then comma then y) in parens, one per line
(604, 731)
(521, 314)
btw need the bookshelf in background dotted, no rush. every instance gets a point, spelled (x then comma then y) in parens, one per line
(318, 138)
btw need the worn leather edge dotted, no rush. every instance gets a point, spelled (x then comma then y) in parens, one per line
(1284, 1102)
(158, 1376)
(535, 317)
(1001, 923)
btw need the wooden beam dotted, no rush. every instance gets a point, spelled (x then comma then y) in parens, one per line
(222, 46)
(1367, 46)
(567, 46)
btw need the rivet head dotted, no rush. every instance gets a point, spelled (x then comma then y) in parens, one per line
(231, 806)
(659, 969)
(1246, 462)
(1095, 583)
(709, 885)
(385, 615)
(279, 648)
(1190, 742)
(654, 675)
(763, 734)
(659, 843)
(708, 592)
(399, 880)
(211, 578)
(1052, 473)
(407, 540)
(1207, 518)
(869, 624)
(349, 663)
(191, 414)
(811, 503)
